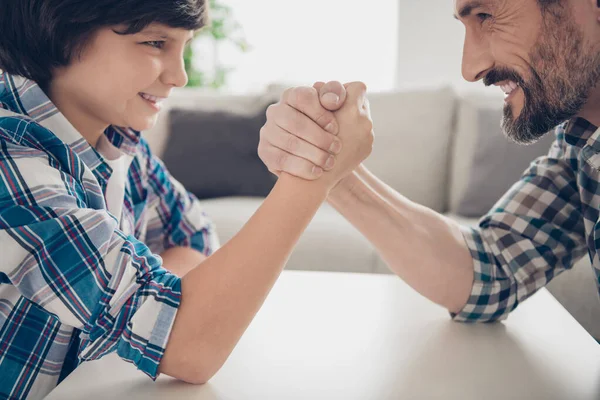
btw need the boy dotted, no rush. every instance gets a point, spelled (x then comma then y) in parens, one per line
(103, 251)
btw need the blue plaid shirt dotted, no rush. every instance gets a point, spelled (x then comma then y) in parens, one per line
(540, 228)
(75, 283)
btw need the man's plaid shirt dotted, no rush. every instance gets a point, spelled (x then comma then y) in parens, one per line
(540, 228)
(75, 284)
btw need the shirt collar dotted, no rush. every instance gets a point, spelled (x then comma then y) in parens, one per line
(24, 96)
(579, 133)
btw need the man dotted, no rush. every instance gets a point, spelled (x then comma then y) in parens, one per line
(545, 55)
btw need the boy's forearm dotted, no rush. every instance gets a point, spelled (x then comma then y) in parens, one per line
(221, 296)
(424, 248)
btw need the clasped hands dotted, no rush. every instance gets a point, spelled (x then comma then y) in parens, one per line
(320, 133)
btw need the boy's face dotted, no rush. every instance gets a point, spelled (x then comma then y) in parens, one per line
(107, 84)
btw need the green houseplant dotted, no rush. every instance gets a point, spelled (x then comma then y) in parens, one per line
(222, 28)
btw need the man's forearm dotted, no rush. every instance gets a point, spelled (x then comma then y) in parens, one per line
(424, 248)
(221, 296)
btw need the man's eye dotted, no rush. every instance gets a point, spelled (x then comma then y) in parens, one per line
(159, 44)
(483, 16)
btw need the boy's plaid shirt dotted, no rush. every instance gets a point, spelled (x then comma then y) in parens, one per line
(74, 284)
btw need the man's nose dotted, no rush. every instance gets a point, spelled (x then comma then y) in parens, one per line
(477, 59)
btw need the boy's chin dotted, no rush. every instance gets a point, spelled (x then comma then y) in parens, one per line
(143, 124)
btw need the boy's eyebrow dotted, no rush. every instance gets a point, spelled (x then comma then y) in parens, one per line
(162, 34)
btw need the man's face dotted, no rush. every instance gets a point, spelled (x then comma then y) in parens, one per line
(109, 83)
(540, 59)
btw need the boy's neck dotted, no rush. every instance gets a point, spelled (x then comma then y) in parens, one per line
(83, 122)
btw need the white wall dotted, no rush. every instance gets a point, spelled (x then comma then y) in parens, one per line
(386, 43)
(430, 45)
(299, 42)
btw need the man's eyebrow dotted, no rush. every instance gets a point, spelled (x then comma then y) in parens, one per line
(467, 9)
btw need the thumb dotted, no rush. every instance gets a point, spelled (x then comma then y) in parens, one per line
(331, 94)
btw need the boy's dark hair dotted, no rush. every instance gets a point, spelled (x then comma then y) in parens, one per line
(37, 36)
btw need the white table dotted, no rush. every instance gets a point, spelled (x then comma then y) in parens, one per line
(345, 336)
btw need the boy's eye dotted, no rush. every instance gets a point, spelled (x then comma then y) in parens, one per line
(159, 44)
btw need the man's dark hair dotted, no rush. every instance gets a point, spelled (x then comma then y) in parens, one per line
(40, 35)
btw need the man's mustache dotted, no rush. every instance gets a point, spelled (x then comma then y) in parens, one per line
(502, 74)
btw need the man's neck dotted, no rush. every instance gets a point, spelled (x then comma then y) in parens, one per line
(591, 110)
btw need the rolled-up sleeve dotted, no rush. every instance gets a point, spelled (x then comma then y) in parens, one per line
(73, 262)
(535, 232)
(176, 217)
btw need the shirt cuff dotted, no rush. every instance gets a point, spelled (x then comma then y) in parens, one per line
(491, 298)
(152, 323)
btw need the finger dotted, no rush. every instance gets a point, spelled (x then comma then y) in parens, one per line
(356, 94)
(299, 124)
(306, 100)
(318, 85)
(289, 163)
(292, 144)
(332, 95)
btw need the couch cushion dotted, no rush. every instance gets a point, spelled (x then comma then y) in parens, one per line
(330, 243)
(413, 132)
(201, 100)
(214, 154)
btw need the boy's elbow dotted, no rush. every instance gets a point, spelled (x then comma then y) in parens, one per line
(193, 373)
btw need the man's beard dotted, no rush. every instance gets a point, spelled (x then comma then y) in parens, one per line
(559, 85)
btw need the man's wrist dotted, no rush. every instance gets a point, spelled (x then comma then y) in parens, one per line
(344, 188)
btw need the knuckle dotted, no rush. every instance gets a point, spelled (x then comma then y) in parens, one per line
(322, 159)
(272, 111)
(358, 86)
(260, 153)
(306, 95)
(326, 118)
(280, 160)
(299, 124)
(326, 141)
(287, 94)
(292, 144)
(334, 85)
(307, 169)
